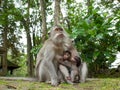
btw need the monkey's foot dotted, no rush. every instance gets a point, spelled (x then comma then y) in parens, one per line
(48, 82)
(70, 82)
(54, 83)
(82, 81)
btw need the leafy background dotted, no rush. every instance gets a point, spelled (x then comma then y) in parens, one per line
(94, 25)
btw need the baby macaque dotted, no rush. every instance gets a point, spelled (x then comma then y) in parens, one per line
(69, 68)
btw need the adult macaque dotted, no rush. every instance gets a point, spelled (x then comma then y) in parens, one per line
(50, 53)
(47, 58)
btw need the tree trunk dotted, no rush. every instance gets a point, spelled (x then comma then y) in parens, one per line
(29, 46)
(44, 26)
(0, 2)
(57, 12)
(5, 39)
(5, 47)
(29, 55)
(33, 35)
(30, 65)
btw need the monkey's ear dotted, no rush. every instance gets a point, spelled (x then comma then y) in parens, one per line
(49, 33)
(73, 41)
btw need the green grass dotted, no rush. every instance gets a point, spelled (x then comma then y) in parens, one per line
(99, 84)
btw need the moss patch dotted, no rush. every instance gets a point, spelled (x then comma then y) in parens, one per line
(99, 84)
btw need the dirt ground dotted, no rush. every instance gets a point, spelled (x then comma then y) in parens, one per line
(91, 84)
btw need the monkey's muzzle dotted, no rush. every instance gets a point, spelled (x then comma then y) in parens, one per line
(61, 35)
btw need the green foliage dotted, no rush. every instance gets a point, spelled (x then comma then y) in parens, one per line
(95, 29)
(94, 36)
(9, 22)
(36, 49)
(22, 71)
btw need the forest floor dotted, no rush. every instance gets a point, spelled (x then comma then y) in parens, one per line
(91, 84)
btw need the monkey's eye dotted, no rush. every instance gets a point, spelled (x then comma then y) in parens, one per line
(56, 29)
(60, 29)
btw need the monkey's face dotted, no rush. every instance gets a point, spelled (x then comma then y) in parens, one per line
(57, 35)
(66, 56)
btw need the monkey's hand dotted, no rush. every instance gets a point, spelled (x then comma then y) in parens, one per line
(59, 58)
(73, 59)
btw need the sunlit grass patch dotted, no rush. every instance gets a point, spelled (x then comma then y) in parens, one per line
(95, 84)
